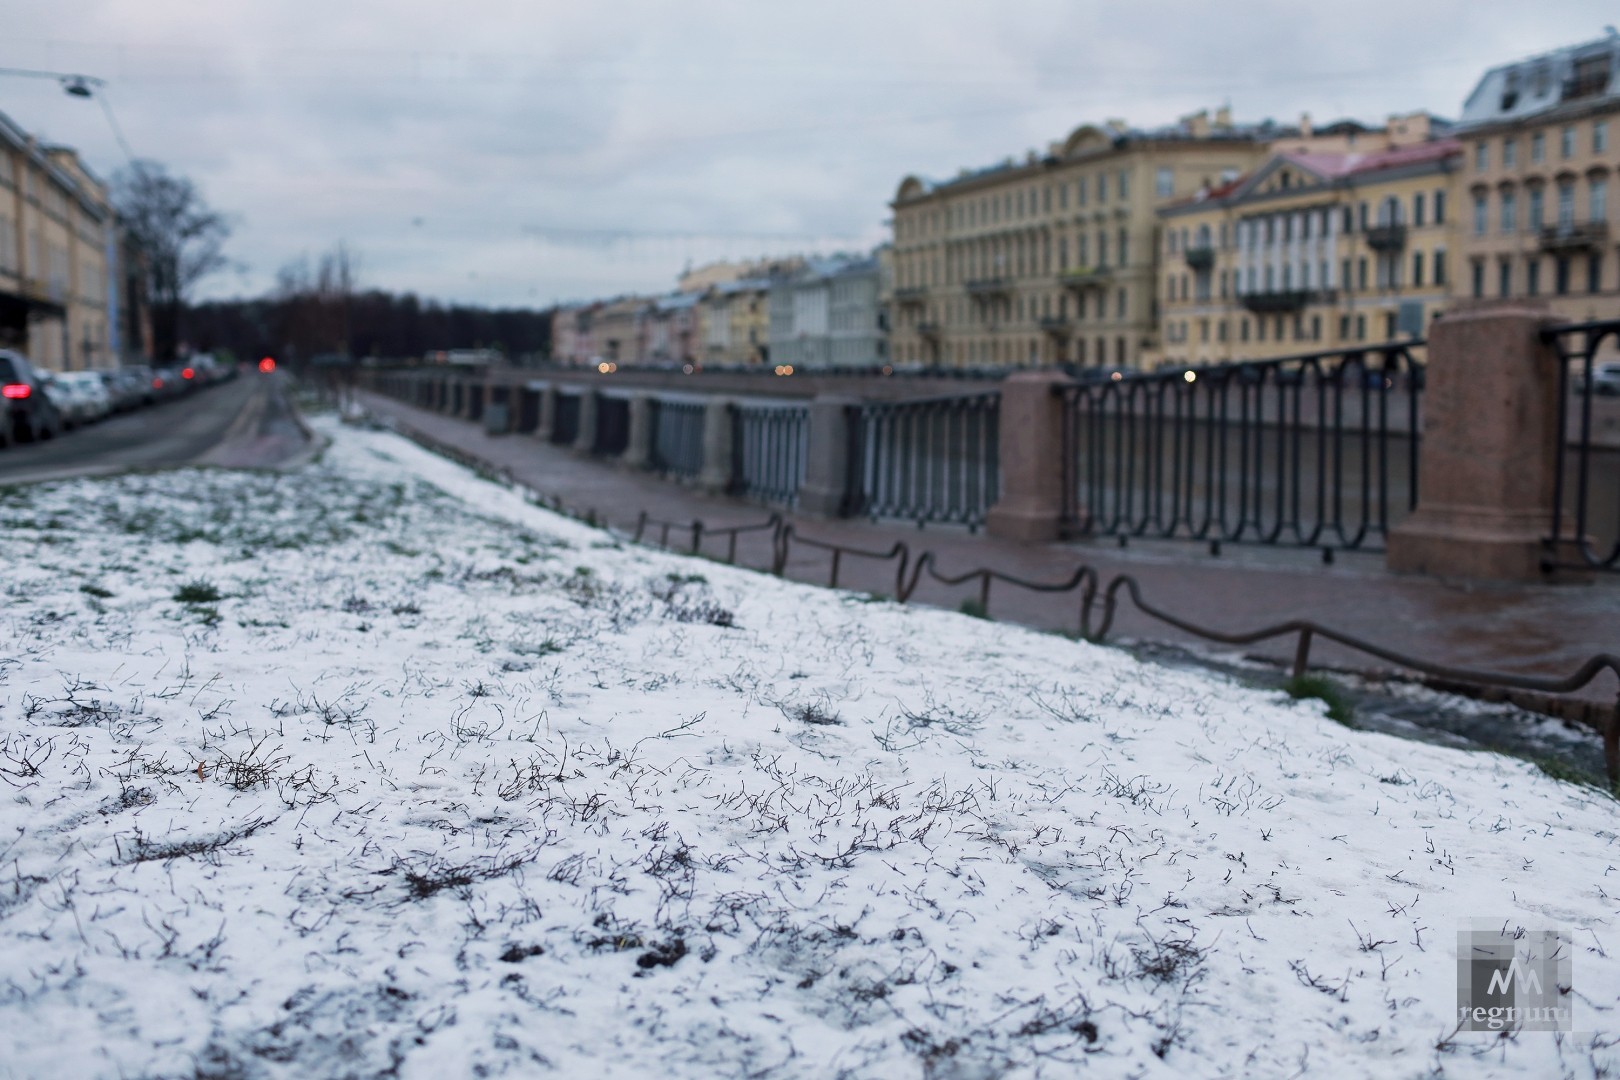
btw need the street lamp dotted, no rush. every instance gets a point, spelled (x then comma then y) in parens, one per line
(80, 86)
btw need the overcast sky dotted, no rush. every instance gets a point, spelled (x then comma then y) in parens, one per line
(526, 152)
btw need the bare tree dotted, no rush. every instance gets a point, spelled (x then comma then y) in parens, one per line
(181, 241)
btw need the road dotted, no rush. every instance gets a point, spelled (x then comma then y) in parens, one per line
(245, 423)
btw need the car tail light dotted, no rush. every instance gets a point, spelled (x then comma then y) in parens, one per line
(157, 384)
(187, 373)
(16, 391)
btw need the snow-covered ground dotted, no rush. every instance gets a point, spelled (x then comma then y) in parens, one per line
(376, 769)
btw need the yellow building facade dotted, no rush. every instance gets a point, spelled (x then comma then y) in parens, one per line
(1541, 140)
(1313, 251)
(56, 295)
(1052, 259)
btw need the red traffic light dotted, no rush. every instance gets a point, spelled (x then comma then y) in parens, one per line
(267, 365)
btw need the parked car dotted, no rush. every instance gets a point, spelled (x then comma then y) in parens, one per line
(69, 400)
(92, 392)
(1606, 379)
(166, 383)
(26, 413)
(124, 388)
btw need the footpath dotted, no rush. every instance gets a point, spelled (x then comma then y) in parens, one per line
(1531, 629)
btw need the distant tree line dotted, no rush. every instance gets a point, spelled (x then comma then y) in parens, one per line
(319, 310)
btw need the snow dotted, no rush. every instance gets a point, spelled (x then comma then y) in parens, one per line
(444, 784)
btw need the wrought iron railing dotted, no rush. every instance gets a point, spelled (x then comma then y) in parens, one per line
(677, 437)
(770, 448)
(927, 460)
(1315, 451)
(612, 434)
(1585, 528)
(565, 421)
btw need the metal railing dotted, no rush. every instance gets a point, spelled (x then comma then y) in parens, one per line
(1316, 451)
(1585, 528)
(770, 449)
(565, 421)
(612, 435)
(927, 460)
(677, 437)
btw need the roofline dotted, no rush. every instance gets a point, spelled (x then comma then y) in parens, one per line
(37, 153)
(1433, 166)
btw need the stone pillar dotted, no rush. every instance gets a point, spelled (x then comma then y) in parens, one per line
(1031, 450)
(638, 450)
(1490, 449)
(586, 442)
(718, 452)
(548, 413)
(826, 475)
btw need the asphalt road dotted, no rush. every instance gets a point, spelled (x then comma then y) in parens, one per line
(247, 422)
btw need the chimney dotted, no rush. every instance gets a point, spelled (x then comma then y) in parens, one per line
(1196, 124)
(1223, 117)
(1305, 125)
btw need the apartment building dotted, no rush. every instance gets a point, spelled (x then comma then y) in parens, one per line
(736, 322)
(1052, 259)
(1314, 250)
(1541, 140)
(58, 244)
(828, 314)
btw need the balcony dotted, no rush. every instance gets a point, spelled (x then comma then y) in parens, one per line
(929, 330)
(1056, 325)
(1386, 237)
(911, 296)
(986, 288)
(1200, 258)
(1574, 236)
(1285, 301)
(1087, 277)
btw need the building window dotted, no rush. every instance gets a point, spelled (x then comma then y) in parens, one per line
(1561, 275)
(1361, 274)
(1102, 187)
(1479, 213)
(1599, 208)
(1600, 136)
(1510, 153)
(1566, 204)
(1440, 266)
(1124, 184)
(1164, 182)
(1316, 328)
(1538, 147)
(1510, 211)
(1538, 214)
(1344, 328)
(1122, 300)
(1361, 217)
(1418, 210)
(1361, 328)
(1344, 274)
(1102, 249)
(1243, 329)
(1349, 221)
(1566, 142)
(1479, 279)
(1594, 273)
(1124, 247)
(1482, 156)
(1532, 277)
(1417, 268)
(1439, 207)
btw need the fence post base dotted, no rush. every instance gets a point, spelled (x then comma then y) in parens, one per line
(825, 492)
(1490, 449)
(1030, 509)
(548, 413)
(715, 476)
(638, 447)
(585, 443)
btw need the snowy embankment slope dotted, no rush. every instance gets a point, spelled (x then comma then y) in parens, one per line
(442, 784)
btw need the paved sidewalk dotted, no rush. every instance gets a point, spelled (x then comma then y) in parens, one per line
(1540, 629)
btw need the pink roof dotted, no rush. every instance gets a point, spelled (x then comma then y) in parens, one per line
(1337, 165)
